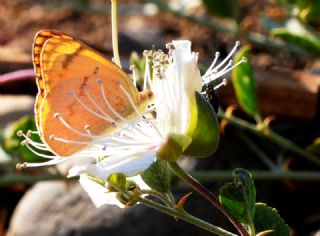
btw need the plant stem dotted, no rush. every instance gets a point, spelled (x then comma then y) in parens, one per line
(7, 180)
(158, 195)
(114, 25)
(183, 215)
(268, 133)
(207, 194)
(210, 176)
(252, 229)
(263, 157)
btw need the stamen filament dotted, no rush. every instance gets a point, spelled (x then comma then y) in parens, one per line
(216, 57)
(67, 125)
(105, 99)
(88, 108)
(40, 154)
(96, 105)
(237, 44)
(134, 75)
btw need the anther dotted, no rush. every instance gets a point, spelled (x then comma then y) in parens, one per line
(20, 166)
(132, 67)
(24, 142)
(224, 82)
(52, 137)
(83, 87)
(114, 124)
(87, 127)
(244, 60)
(19, 133)
(99, 81)
(57, 115)
(29, 133)
(71, 93)
(237, 43)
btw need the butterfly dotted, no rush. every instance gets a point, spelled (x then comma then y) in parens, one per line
(81, 94)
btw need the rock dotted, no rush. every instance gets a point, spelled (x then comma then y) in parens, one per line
(58, 208)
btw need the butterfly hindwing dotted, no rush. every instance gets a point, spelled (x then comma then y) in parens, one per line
(77, 83)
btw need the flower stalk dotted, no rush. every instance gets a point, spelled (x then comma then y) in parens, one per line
(199, 188)
(183, 215)
(114, 26)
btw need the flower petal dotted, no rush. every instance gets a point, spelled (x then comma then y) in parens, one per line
(129, 164)
(98, 194)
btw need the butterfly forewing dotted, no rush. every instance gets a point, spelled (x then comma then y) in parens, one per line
(68, 73)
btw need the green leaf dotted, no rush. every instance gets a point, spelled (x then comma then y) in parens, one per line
(12, 142)
(157, 176)
(205, 137)
(306, 41)
(239, 197)
(244, 83)
(267, 218)
(295, 32)
(222, 8)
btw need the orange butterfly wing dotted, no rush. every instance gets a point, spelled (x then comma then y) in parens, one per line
(65, 66)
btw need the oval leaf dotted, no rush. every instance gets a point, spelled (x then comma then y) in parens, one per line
(12, 143)
(308, 42)
(244, 84)
(267, 218)
(157, 176)
(239, 197)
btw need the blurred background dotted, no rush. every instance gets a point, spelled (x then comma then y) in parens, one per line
(282, 39)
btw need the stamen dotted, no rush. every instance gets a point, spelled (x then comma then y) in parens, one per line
(130, 100)
(223, 83)
(39, 164)
(134, 76)
(84, 88)
(54, 138)
(88, 108)
(67, 125)
(234, 49)
(20, 133)
(37, 145)
(40, 154)
(221, 72)
(100, 81)
(24, 142)
(214, 69)
(146, 72)
(88, 129)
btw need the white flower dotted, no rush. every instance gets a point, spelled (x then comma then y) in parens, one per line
(133, 148)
